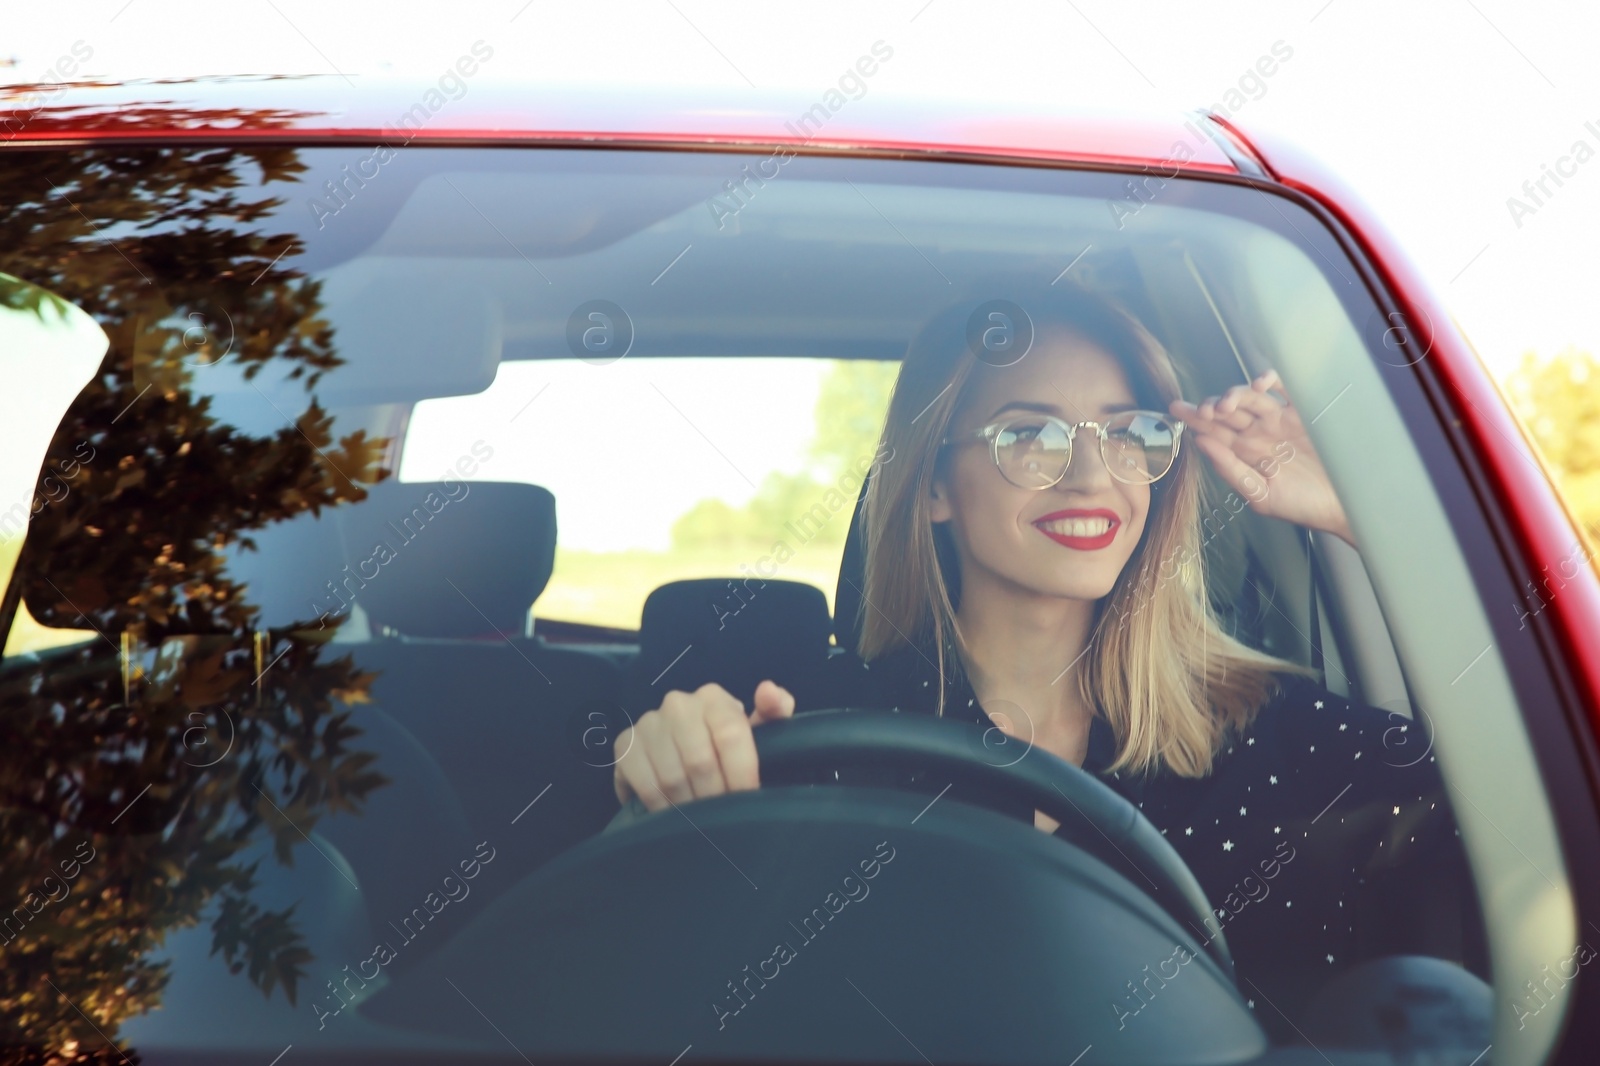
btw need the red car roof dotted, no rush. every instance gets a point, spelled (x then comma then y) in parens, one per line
(318, 106)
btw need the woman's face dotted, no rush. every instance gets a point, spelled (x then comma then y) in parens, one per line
(1046, 542)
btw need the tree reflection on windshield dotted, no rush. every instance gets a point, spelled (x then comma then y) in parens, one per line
(137, 767)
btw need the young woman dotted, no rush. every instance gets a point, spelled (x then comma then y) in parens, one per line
(1033, 562)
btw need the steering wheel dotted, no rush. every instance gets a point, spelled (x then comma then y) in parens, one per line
(734, 924)
(1092, 816)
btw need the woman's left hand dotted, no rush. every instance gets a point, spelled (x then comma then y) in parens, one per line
(1259, 446)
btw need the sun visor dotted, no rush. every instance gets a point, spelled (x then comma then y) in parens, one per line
(399, 334)
(408, 335)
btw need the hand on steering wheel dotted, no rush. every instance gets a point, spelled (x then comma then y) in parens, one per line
(695, 745)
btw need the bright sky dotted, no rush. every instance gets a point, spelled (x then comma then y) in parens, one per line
(716, 435)
(44, 360)
(1435, 112)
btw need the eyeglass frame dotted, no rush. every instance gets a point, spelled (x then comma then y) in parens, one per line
(992, 431)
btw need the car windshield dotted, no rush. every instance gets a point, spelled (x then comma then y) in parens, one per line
(369, 496)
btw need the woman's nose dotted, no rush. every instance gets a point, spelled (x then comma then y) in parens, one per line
(1087, 470)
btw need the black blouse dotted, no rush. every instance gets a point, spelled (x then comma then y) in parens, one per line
(1322, 836)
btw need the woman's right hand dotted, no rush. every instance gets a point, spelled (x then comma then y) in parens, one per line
(696, 744)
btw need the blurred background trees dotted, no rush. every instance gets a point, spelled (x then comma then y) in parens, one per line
(849, 416)
(1558, 399)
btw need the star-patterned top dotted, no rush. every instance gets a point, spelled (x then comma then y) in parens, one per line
(1323, 835)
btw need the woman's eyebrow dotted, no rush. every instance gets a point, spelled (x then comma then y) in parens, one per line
(1052, 409)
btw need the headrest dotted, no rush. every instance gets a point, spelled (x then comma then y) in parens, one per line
(734, 631)
(449, 559)
(288, 572)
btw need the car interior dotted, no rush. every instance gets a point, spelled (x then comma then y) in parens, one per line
(495, 717)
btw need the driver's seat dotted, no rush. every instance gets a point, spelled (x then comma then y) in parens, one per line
(848, 597)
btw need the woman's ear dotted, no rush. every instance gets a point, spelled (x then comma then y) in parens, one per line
(940, 507)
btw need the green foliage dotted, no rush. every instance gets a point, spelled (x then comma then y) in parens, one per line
(19, 296)
(849, 417)
(850, 409)
(1558, 399)
(713, 524)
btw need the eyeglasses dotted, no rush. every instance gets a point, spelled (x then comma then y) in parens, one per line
(1033, 451)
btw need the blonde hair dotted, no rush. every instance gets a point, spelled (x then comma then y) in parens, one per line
(1169, 681)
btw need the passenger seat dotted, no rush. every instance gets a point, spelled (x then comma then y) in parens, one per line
(407, 828)
(509, 717)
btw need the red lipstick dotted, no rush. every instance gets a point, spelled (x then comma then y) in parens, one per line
(1081, 543)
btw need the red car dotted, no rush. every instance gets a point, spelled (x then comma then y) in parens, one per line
(310, 722)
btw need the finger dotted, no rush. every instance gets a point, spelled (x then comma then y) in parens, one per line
(637, 775)
(1230, 399)
(1247, 408)
(1201, 425)
(1267, 381)
(1270, 384)
(1234, 418)
(1236, 472)
(772, 701)
(696, 751)
(731, 735)
(1243, 397)
(661, 748)
(1213, 431)
(619, 772)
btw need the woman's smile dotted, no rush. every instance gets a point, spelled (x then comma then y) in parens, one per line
(1083, 530)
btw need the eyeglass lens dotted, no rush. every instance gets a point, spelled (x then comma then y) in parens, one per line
(1033, 451)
